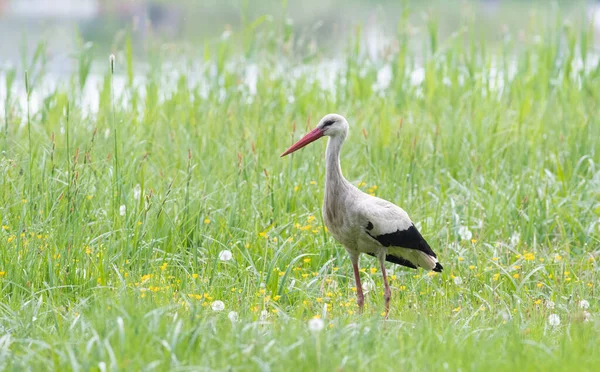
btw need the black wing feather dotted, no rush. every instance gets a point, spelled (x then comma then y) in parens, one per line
(410, 238)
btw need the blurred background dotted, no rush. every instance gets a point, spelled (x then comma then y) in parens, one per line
(183, 26)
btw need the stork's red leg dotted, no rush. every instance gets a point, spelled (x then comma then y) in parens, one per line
(388, 292)
(360, 298)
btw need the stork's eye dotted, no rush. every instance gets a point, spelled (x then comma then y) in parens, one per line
(328, 123)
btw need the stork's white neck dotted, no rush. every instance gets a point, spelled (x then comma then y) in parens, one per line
(333, 177)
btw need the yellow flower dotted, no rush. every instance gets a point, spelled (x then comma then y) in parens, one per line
(88, 250)
(2, 273)
(516, 276)
(307, 260)
(539, 285)
(206, 221)
(195, 276)
(163, 267)
(567, 273)
(319, 299)
(4, 227)
(10, 238)
(457, 309)
(313, 183)
(558, 257)
(276, 298)
(473, 241)
(336, 268)
(529, 257)
(311, 219)
(537, 302)
(494, 258)
(496, 277)
(296, 188)
(305, 275)
(472, 267)
(461, 259)
(373, 270)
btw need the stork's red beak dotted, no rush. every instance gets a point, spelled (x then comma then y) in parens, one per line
(312, 136)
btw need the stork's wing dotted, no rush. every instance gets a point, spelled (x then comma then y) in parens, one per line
(390, 226)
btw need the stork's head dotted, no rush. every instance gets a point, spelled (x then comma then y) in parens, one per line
(332, 125)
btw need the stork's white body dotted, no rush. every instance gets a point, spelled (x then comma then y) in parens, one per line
(363, 223)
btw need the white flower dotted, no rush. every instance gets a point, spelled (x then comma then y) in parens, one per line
(583, 304)
(316, 324)
(225, 255)
(549, 305)
(464, 233)
(554, 320)
(587, 316)
(233, 316)
(458, 280)
(218, 306)
(122, 210)
(264, 315)
(515, 238)
(137, 192)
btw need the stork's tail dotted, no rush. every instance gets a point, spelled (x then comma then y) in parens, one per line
(428, 262)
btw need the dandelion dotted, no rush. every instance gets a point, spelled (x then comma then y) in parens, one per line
(583, 304)
(587, 316)
(233, 316)
(316, 324)
(225, 255)
(529, 257)
(458, 280)
(550, 305)
(373, 270)
(464, 233)
(2, 273)
(122, 210)
(558, 258)
(206, 221)
(554, 320)
(218, 306)
(516, 276)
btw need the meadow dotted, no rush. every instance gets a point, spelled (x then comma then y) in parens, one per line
(156, 228)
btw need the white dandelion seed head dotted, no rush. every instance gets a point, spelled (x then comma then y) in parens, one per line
(225, 255)
(587, 316)
(464, 233)
(550, 305)
(584, 304)
(515, 238)
(137, 192)
(233, 316)
(505, 315)
(264, 315)
(122, 210)
(316, 324)
(218, 305)
(554, 320)
(458, 280)
(367, 286)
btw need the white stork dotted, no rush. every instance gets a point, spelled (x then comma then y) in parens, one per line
(364, 223)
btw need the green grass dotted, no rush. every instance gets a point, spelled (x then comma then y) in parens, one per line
(113, 222)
